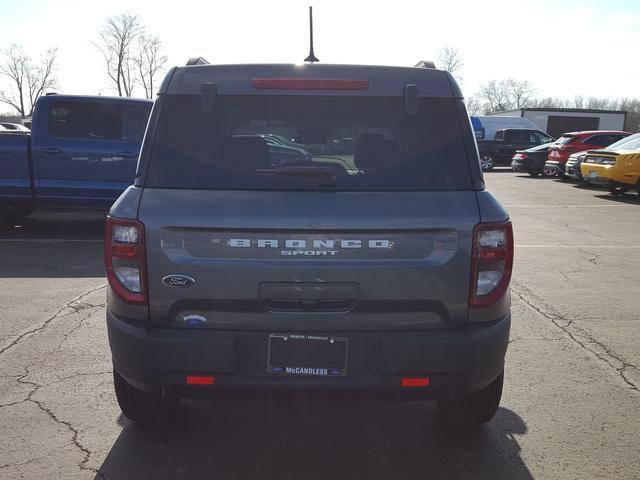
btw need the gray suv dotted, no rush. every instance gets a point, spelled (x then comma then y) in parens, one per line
(358, 256)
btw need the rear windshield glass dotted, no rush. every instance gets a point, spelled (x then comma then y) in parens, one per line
(564, 140)
(265, 142)
(631, 142)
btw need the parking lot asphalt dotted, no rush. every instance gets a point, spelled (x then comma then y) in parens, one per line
(570, 407)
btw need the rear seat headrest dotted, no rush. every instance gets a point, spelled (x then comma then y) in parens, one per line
(247, 153)
(372, 152)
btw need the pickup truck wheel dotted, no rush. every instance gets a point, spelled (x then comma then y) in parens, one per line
(549, 172)
(12, 212)
(141, 407)
(487, 162)
(475, 409)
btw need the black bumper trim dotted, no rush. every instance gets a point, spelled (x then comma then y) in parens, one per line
(157, 359)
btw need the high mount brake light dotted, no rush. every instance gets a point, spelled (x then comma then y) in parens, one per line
(491, 263)
(309, 84)
(125, 259)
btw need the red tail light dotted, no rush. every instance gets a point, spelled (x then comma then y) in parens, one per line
(491, 263)
(309, 84)
(125, 259)
(520, 156)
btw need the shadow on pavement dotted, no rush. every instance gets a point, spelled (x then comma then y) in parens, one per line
(303, 440)
(628, 198)
(53, 244)
(56, 224)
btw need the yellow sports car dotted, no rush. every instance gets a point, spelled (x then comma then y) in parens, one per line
(616, 167)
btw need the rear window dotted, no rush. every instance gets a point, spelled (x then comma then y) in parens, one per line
(563, 140)
(265, 142)
(78, 120)
(134, 121)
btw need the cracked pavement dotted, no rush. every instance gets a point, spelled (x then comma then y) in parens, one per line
(570, 407)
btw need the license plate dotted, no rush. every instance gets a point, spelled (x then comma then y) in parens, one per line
(593, 174)
(307, 355)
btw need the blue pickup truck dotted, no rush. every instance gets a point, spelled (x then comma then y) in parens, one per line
(82, 152)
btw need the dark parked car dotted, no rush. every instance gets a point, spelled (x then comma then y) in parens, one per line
(231, 276)
(500, 150)
(532, 161)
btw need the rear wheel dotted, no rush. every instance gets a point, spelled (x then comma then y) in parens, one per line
(534, 174)
(475, 409)
(12, 212)
(617, 190)
(548, 172)
(142, 407)
(487, 162)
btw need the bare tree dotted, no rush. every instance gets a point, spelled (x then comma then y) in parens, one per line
(150, 61)
(474, 106)
(28, 79)
(521, 92)
(496, 95)
(117, 42)
(578, 101)
(449, 59)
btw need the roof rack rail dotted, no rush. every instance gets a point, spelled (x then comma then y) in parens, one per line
(425, 64)
(197, 61)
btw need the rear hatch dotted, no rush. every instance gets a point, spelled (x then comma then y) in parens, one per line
(368, 229)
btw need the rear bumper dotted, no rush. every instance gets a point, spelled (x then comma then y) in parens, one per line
(528, 167)
(158, 360)
(559, 167)
(573, 171)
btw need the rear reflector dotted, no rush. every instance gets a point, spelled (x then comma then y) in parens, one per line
(415, 382)
(200, 380)
(309, 84)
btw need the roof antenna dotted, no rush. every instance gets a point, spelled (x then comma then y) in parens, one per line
(311, 58)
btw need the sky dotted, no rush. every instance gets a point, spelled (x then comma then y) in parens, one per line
(564, 48)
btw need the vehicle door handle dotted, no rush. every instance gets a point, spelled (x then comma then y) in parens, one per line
(50, 150)
(127, 154)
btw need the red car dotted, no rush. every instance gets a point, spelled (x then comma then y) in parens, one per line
(573, 142)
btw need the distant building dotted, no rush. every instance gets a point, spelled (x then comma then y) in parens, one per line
(556, 121)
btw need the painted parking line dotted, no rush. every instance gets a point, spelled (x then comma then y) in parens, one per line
(48, 240)
(532, 205)
(610, 247)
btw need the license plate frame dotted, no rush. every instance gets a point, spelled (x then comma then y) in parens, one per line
(303, 355)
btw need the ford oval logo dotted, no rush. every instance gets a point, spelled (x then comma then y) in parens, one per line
(181, 281)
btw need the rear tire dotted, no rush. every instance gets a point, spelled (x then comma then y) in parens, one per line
(549, 172)
(534, 174)
(142, 407)
(475, 409)
(12, 212)
(487, 162)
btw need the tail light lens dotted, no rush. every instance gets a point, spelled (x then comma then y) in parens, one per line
(520, 156)
(125, 259)
(491, 264)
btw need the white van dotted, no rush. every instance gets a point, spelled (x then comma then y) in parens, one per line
(490, 124)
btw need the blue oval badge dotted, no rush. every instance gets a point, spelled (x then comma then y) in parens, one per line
(180, 281)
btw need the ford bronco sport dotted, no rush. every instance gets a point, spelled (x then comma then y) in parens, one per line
(358, 252)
